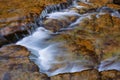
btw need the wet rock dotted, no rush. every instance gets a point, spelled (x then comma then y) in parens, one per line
(3, 41)
(84, 75)
(15, 33)
(15, 64)
(16, 19)
(56, 24)
(83, 8)
(101, 1)
(110, 75)
(94, 38)
(114, 6)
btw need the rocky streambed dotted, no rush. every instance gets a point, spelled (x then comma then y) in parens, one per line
(81, 42)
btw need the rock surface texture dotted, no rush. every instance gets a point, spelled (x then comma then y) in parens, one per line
(14, 63)
(89, 31)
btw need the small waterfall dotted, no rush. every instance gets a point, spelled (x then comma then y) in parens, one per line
(51, 57)
(29, 28)
(53, 8)
(58, 7)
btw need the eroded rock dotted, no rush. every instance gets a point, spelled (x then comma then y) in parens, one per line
(14, 33)
(84, 75)
(15, 64)
(96, 38)
(56, 24)
(110, 75)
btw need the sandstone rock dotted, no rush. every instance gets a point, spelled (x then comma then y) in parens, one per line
(83, 8)
(14, 63)
(56, 24)
(84, 75)
(94, 38)
(18, 16)
(110, 75)
(99, 3)
(114, 6)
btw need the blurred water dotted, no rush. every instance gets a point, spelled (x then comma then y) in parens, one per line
(54, 59)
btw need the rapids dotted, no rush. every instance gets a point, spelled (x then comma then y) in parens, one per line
(51, 57)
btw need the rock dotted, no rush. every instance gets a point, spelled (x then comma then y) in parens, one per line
(14, 33)
(101, 1)
(114, 6)
(84, 75)
(56, 24)
(83, 8)
(3, 41)
(116, 2)
(93, 38)
(16, 19)
(110, 75)
(90, 74)
(15, 64)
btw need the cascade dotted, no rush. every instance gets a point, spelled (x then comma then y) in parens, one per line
(51, 57)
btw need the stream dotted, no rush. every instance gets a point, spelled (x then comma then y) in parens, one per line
(51, 57)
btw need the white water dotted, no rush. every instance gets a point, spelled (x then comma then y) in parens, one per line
(62, 15)
(110, 64)
(54, 59)
(50, 57)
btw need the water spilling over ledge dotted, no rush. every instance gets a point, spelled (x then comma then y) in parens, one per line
(53, 58)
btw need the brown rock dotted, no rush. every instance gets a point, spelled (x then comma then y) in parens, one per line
(113, 6)
(101, 1)
(14, 63)
(84, 75)
(110, 75)
(14, 33)
(84, 8)
(18, 15)
(56, 24)
(94, 38)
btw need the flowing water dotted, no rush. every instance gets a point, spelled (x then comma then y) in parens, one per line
(51, 57)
